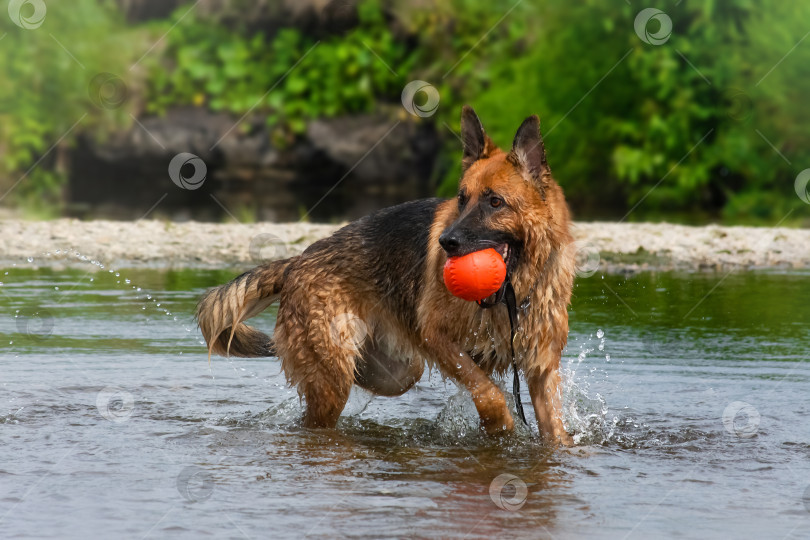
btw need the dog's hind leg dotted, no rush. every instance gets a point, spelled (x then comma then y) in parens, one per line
(324, 380)
(325, 396)
(319, 335)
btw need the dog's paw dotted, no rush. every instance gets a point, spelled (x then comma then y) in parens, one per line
(561, 438)
(500, 426)
(493, 411)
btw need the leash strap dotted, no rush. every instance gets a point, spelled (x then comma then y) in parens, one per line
(511, 307)
(507, 295)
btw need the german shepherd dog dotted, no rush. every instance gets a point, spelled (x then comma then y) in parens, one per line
(368, 305)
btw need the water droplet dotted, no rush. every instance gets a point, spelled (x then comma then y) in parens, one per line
(30, 259)
(92, 279)
(607, 357)
(600, 334)
(127, 281)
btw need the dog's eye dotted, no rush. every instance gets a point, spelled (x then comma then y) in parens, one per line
(462, 200)
(495, 202)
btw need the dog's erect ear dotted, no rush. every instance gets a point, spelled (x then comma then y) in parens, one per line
(477, 145)
(527, 149)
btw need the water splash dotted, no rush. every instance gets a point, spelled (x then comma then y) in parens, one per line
(288, 413)
(585, 412)
(458, 423)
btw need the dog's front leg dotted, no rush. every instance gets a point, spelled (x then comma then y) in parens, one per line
(488, 399)
(544, 388)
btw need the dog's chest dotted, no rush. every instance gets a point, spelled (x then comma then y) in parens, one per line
(486, 338)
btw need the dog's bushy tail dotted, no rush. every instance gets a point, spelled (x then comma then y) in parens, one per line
(222, 310)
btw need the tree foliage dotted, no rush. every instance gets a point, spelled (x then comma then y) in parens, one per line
(46, 97)
(708, 124)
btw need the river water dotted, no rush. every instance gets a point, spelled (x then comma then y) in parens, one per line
(689, 395)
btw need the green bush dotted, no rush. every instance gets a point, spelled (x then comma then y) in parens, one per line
(289, 78)
(48, 101)
(623, 120)
(637, 125)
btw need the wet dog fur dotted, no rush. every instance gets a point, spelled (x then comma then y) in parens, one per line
(368, 305)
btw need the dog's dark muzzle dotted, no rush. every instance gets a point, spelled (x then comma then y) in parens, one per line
(451, 241)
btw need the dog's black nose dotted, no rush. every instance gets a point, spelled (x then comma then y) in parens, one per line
(450, 242)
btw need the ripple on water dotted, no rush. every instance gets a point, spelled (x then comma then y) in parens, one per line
(416, 465)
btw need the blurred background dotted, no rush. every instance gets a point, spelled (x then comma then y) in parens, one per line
(296, 106)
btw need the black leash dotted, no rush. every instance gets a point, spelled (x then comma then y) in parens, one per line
(507, 295)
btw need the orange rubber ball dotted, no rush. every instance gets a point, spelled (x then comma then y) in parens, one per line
(476, 275)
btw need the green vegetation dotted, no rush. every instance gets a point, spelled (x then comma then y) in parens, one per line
(638, 118)
(45, 95)
(695, 116)
(233, 72)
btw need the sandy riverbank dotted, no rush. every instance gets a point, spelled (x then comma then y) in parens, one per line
(617, 247)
